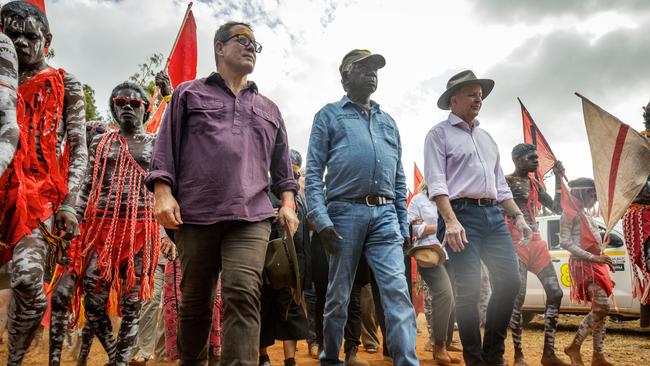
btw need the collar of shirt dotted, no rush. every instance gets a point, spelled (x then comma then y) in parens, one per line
(345, 101)
(459, 122)
(216, 79)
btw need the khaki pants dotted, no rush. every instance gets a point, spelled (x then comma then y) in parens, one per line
(237, 249)
(151, 327)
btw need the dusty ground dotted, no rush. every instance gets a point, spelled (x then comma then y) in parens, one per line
(626, 345)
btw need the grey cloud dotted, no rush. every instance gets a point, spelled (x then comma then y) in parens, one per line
(547, 70)
(527, 10)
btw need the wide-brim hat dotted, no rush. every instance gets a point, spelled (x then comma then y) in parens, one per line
(458, 81)
(281, 265)
(429, 255)
(374, 60)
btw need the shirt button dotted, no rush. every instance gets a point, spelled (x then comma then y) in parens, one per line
(378, 161)
(375, 182)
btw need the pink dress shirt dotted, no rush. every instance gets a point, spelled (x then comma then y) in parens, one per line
(463, 163)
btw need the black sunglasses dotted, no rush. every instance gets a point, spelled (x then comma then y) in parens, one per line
(245, 41)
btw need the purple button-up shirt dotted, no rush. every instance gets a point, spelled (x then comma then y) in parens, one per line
(216, 150)
(463, 163)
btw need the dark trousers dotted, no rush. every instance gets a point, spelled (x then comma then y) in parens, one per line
(490, 241)
(237, 249)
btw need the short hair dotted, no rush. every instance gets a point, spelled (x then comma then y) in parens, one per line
(582, 183)
(24, 10)
(522, 149)
(132, 86)
(223, 33)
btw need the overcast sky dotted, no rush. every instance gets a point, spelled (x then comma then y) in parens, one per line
(540, 51)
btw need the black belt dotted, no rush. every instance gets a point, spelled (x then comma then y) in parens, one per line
(371, 200)
(480, 202)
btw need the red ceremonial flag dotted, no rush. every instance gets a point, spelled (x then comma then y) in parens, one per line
(38, 3)
(533, 136)
(182, 61)
(154, 122)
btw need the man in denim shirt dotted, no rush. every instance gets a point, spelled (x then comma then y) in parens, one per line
(364, 209)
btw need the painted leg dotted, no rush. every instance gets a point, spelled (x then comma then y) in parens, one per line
(95, 301)
(29, 302)
(516, 320)
(59, 302)
(130, 305)
(600, 309)
(551, 286)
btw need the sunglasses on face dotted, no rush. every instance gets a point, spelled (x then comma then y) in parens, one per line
(245, 41)
(122, 102)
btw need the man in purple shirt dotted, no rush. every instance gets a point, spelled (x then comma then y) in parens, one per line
(218, 145)
(462, 169)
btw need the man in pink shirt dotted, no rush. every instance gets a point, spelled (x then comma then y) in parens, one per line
(462, 169)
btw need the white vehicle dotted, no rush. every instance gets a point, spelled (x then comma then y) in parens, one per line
(624, 305)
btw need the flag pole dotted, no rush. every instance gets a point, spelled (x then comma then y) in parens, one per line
(178, 35)
(154, 97)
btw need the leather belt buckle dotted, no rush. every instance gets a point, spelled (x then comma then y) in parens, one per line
(485, 202)
(368, 198)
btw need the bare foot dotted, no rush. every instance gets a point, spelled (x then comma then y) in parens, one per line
(599, 360)
(574, 355)
(440, 355)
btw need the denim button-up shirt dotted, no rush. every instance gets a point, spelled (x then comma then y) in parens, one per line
(360, 155)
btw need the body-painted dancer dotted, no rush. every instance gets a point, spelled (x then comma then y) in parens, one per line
(40, 186)
(8, 99)
(120, 236)
(529, 195)
(589, 269)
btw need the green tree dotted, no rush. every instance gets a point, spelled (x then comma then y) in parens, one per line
(145, 76)
(91, 106)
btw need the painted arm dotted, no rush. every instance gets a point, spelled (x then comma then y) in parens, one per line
(9, 132)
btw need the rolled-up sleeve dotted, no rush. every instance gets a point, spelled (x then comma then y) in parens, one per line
(281, 174)
(435, 164)
(317, 156)
(163, 161)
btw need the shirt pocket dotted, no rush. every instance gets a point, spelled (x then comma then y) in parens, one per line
(201, 112)
(264, 128)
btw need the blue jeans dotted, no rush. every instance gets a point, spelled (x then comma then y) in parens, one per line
(490, 241)
(374, 232)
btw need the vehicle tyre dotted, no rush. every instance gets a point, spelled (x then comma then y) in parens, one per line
(527, 316)
(645, 316)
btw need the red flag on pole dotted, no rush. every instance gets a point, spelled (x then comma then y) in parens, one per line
(417, 180)
(156, 118)
(182, 60)
(38, 3)
(533, 136)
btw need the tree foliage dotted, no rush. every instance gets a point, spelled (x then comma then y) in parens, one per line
(92, 113)
(145, 76)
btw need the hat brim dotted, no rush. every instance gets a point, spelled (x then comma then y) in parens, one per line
(376, 61)
(293, 257)
(437, 248)
(486, 84)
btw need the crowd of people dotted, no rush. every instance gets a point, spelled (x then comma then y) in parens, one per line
(173, 232)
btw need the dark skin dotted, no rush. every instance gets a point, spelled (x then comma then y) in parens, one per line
(528, 163)
(359, 82)
(30, 40)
